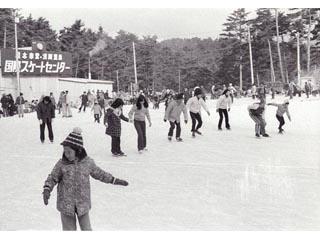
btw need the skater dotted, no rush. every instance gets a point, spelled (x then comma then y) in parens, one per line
(173, 113)
(4, 104)
(46, 114)
(307, 89)
(256, 111)
(194, 105)
(232, 91)
(60, 101)
(84, 102)
(68, 105)
(282, 108)
(223, 107)
(113, 119)
(253, 91)
(97, 112)
(140, 112)
(53, 100)
(20, 103)
(72, 174)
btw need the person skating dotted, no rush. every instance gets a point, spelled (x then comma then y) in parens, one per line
(223, 107)
(194, 105)
(256, 112)
(84, 101)
(97, 112)
(68, 105)
(45, 114)
(72, 174)
(139, 112)
(282, 109)
(173, 113)
(20, 104)
(113, 119)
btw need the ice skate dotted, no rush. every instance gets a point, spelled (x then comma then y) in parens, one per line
(265, 135)
(179, 139)
(257, 135)
(193, 134)
(198, 132)
(169, 138)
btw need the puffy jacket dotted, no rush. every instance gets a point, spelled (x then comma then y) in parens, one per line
(73, 179)
(174, 110)
(45, 111)
(114, 122)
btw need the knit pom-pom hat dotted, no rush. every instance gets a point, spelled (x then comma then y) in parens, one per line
(74, 139)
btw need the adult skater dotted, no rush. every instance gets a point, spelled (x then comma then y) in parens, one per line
(194, 105)
(20, 104)
(84, 101)
(223, 107)
(256, 111)
(113, 119)
(282, 109)
(45, 114)
(68, 105)
(232, 91)
(173, 114)
(139, 112)
(72, 174)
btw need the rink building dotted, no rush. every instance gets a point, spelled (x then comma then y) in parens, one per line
(42, 72)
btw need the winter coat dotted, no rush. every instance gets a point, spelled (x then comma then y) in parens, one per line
(53, 100)
(173, 112)
(97, 109)
(4, 102)
(223, 102)
(84, 99)
(114, 122)
(20, 100)
(282, 109)
(139, 115)
(73, 179)
(45, 111)
(194, 105)
(256, 109)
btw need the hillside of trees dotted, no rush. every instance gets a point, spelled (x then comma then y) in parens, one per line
(198, 61)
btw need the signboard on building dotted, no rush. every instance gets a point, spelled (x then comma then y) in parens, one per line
(36, 63)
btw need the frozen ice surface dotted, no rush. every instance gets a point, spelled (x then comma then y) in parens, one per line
(226, 180)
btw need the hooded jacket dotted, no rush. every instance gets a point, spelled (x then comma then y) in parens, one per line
(45, 111)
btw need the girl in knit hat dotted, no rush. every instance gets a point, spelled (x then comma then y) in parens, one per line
(282, 109)
(112, 120)
(72, 174)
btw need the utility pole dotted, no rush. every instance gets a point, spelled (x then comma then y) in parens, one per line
(308, 43)
(179, 82)
(271, 64)
(134, 64)
(278, 46)
(298, 59)
(117, 81)
(16, 21)
(250, 52)
(5, 35)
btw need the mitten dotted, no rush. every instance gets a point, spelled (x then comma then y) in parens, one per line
(117, 181)
(46, 196)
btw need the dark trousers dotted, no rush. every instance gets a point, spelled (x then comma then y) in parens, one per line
(172, 127)
(260, 124)
(194, 118)
(225, 113)
(84, 105)
(231, 95)
(281, 121)
(141, 131)
(69, 223)
(97, 118)
(42, 128)
(115, 144)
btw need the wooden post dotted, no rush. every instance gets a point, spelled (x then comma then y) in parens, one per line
(298, 59)
(117, 81)
(179, 82)
(250, 52)
(5, 35)
(134, 64)
(271, 63)
(308, 43)
(278, 46)
(16, 21)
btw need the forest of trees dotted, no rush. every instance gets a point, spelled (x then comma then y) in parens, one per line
(199, 61)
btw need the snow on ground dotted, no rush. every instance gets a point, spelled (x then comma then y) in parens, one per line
(225, 180)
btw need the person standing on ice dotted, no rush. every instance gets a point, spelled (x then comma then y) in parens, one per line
(173, 113)
(256, 112)
(194, 105)
(68, 105)
(72, 174)
(20, 103)
(45, 114)
(112, 120)
(282, 109)
(139, 112)
(84, 101)
(97, 112)
(223, 107)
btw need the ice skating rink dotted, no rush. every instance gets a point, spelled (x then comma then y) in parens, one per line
(226, 180)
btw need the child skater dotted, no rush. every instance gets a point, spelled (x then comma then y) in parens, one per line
(72, 174)
(140, 111)
(173, 113)
(113, 119)
(97, 112)
(256, 112)
(282, 109)
(223, 107)
(194, 105)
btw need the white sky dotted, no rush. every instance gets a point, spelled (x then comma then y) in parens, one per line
(165, 23)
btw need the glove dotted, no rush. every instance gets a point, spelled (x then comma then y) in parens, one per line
(228, 109)
(46, 196)
(185, 121)
(164, 120)
(40, 121)
(117, 181)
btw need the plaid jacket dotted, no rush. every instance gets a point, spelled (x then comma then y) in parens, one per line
(114, 122)
(73, 179)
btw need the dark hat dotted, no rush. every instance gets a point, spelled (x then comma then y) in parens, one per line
(47, 99)
(74, 139)
(197, 92)
(117, 103)
(179, 96)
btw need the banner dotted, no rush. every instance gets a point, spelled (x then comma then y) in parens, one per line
(36, 63)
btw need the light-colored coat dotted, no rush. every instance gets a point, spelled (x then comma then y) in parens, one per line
(223, 102)
(174, 111)
(139, 115)
(194, 105)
